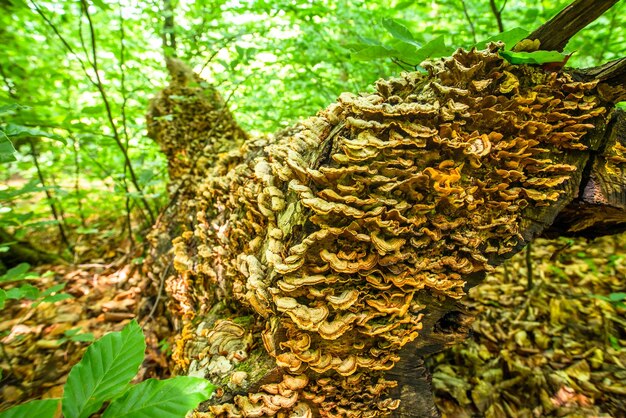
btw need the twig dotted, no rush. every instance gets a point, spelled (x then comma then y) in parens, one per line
(225, 42)
(53, 209)
(129, 224)
(498, 13)
(469, 20)
(529, 266)
(160, 292)
(79, 202)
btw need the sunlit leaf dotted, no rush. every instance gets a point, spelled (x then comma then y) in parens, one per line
(435, 48)
(7, 150)
(372, 53)
(399, 31)
(19, 272)
(103, 373)
(9, 108)
(509, 38)
(536, 57)
(617, 297)
(171, 398)
(44, 408)
(26, 291)
(19, 131)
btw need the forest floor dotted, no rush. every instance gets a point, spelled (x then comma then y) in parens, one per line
(556, 348)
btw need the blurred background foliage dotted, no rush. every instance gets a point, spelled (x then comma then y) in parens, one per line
(76, 78)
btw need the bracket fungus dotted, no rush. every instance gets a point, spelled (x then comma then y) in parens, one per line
(332, 234)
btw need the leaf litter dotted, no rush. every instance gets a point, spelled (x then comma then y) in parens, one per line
(556, 348)
(40, 344)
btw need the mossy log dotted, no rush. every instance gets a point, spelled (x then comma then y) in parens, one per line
(310, 272)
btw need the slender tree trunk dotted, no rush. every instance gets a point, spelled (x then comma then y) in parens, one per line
(314, 270)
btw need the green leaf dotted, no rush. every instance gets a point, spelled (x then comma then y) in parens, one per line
(7, 150)
(103, 373)
(43, 408)
(101, 4)
(617, 297)
(53, 298)
(399, 31)
(9, 108)
(171, 398)
(3, 298)
(372, 53)
(86, 337)
(614, 342)
(19, 272)
(53, 289)
(435, 48)
(19, 131)
(26, 291)
(509, 37)
(536, 57)
(601, 297)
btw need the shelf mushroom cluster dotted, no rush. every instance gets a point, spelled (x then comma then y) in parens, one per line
(329, 232)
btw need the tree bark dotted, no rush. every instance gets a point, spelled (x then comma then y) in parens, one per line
(315, 269)
(556, 33)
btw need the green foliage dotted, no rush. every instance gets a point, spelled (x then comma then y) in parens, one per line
(535, 57)
(75, 335)
(399, 31)
(403, 48)
(160, 398)
(40, 408)
(617, 299)
(299, 51)
(103, 375)
(508, 38)
(7, 150)
(22, 272)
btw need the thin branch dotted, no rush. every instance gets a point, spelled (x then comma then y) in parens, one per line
(469, 20)
(107, 105)
(58, 218)
(125, 125)
(98, 84)
(224, 43)
(63, 41)
(529, 266)
(497, 12)
(79, 201)
(159, 294)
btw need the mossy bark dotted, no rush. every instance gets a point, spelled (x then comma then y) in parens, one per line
(312, 271)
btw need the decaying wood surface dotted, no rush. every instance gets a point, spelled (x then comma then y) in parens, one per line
(314, 270)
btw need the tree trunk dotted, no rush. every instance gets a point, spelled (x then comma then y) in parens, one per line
(313, 270)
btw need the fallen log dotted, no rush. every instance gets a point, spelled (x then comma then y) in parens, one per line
(312, 271)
